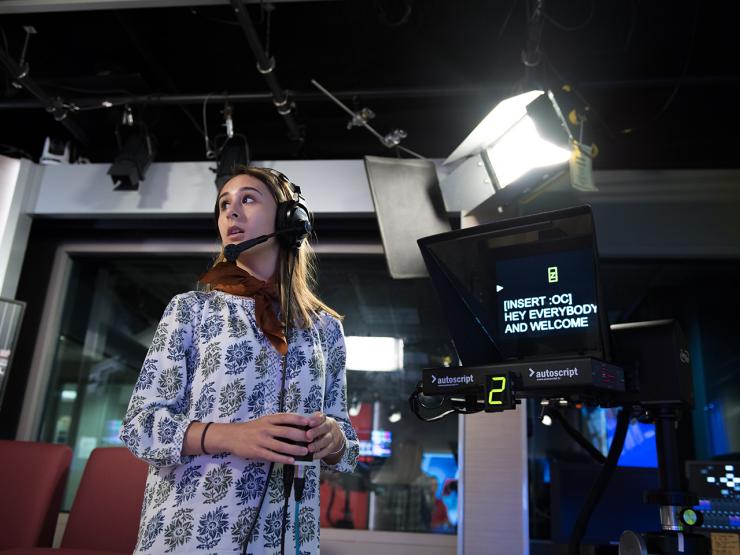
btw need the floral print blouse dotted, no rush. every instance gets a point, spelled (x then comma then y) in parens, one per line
(210, 362)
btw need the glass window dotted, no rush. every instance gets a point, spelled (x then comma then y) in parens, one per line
(112, 306)
(406, 479)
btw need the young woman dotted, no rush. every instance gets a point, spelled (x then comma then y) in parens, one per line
(227, 398)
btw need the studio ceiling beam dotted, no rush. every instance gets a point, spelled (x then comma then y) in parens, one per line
(54, 106)
(266, 66)
(44, 6)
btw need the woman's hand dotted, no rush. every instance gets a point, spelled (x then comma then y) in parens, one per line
(260, 439)
(326, 438)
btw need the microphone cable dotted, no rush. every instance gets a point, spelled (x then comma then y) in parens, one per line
(281, 401)
(288, 471)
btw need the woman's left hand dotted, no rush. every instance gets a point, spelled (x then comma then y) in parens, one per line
(326, 439)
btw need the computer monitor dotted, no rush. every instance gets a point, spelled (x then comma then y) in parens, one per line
(521, 288)
(379, 445)
(717, 484)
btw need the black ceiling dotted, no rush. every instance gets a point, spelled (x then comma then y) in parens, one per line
(659, 76)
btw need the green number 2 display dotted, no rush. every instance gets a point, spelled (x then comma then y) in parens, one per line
(498, 393)
(498, 386)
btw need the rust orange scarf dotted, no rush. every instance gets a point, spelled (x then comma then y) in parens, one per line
(230, 278)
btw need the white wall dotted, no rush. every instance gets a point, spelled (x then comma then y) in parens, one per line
(652, 213)
(183, 189)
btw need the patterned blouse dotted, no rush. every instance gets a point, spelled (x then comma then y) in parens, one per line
(210, 362)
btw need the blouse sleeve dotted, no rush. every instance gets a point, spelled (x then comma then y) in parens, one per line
(335, 398)
(156, 420)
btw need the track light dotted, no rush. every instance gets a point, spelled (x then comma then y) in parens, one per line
(136, 151)
(233, 153)
(56, 151)
(132, 161)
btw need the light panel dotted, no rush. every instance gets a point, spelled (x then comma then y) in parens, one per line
(374, 354)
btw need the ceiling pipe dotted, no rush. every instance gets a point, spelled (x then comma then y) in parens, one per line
(239, 98)
(266, 67)
(88, 102)
(54, 106)
(50, 6)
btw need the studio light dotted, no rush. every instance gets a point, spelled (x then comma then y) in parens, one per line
(56, 151)
(136, 151)
(374, 354)
(132, 162)
(524, 141)
(233, 153)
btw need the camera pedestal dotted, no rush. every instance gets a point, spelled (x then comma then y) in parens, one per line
(676, 513)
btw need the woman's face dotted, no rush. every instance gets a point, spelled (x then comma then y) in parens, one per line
(246, 210)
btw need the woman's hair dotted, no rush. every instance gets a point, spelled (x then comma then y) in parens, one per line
(305, 304)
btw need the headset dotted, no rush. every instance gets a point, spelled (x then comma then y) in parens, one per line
(293, 222)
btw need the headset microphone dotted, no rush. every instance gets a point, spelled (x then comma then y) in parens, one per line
(232, 252)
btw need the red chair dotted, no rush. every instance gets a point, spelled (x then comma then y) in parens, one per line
(32, 480)
(107, 508)
(104, 518)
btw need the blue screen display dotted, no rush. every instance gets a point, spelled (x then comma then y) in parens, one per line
(444, 468)
(639, 445)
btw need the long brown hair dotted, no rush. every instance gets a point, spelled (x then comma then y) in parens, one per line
(304, 303)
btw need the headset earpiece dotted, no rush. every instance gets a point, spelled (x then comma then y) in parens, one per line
(293, 221)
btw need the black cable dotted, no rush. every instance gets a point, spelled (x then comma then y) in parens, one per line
(281, 402)
(299, 484)
(597, 489)
(287, 470)
(577, 436)
(267, 483)
(506, 19)
(416, 404)
(210, 153)
(670, 98)
(259, 508)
